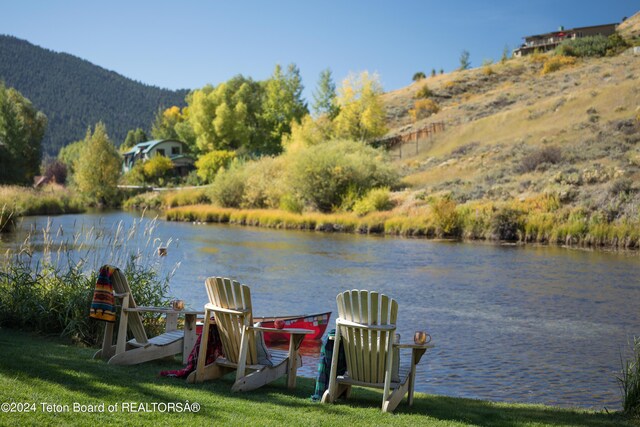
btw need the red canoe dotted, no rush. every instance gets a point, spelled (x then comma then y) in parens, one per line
(316, 322)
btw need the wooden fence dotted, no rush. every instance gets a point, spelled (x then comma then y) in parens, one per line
(397, 142)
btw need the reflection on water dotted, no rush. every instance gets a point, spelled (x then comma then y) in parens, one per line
(532, 324)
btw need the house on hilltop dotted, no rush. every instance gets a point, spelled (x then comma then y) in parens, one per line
(549, 41)
(176, 151)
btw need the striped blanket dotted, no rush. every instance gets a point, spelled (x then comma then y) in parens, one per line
(103, 304)
(214, 350)
(324, 365)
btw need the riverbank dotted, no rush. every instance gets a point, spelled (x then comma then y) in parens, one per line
(37, 370)
(16, 201)
(526, 221)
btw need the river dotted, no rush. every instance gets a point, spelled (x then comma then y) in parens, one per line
(510, 323)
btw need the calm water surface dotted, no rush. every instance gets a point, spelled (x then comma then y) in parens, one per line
(510, 323)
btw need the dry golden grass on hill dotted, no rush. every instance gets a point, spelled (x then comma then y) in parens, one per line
(500, 125)
(631, 27)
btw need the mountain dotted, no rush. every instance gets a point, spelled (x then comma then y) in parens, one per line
(76, 94)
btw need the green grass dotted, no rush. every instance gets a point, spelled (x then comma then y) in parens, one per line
(36, 370)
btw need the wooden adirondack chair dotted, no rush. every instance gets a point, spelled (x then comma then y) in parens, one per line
(365, 327)
(141, 348)
(230, 304)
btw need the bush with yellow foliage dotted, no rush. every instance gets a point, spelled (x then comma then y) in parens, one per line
(423, 108)
(555, 63)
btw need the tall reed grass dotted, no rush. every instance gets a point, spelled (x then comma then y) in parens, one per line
(629, 380)
(47, 282)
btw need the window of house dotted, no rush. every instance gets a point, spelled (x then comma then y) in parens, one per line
(175, 150)
(160, 152)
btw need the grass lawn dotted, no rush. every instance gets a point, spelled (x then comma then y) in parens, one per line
(36, 370)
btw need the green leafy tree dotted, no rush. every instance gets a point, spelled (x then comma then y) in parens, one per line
(208, 165)
(282, 104)
(133, 137)
(225, 117)
(433, 72)
(362, 115)
(69, 155)
(418, 76)
(98, 167)
(324, 97)
(465, 63)
(22, 128)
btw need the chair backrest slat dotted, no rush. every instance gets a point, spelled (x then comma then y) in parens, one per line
(230, 294)
(366, 350)
(134, 321)
(377, 375)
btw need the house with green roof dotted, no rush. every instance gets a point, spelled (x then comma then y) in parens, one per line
(176, 151)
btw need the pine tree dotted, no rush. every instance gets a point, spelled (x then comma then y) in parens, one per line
(324, 98)
(282, 104)
(465, 64)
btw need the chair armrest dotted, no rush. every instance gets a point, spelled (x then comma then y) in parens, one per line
(414, 346)
(143, 309)
(293, 331)
(214, 308)
(417, 351)
(361, 326)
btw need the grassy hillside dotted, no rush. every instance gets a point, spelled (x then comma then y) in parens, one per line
(631, 27)
(514, 134)
(75, 94)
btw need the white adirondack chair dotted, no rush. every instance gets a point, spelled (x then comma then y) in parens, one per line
(230, 304)
(141, 348)
(365, 327)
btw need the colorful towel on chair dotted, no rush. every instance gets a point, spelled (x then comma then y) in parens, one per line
(103, 304)
(324, 366)
(214, 350)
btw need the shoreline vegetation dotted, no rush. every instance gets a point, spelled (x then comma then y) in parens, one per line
(537, 220)
(443, 219)
(17, 201)
(51, 292)
(36, 370)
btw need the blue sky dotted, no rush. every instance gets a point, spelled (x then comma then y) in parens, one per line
(187, 44)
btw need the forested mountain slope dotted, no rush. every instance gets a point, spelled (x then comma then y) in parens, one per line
(75, 93)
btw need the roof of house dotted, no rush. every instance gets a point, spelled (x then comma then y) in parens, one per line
(147, 146)
(569, 30)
